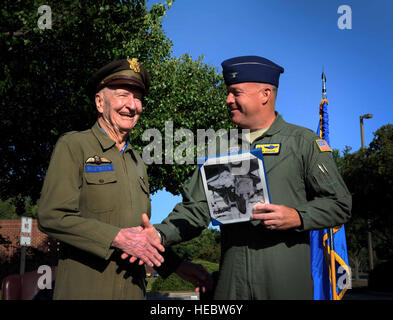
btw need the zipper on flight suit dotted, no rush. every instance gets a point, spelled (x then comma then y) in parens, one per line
(251, 269)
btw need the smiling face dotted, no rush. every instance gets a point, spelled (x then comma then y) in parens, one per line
(250, 104)
(119, 107)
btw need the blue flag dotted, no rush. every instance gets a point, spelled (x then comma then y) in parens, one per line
(321, 264)
(329, 257)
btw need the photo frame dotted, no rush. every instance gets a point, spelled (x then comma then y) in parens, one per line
(233, 184)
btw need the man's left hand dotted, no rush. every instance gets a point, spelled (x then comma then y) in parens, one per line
(276, 217)
(148, 229)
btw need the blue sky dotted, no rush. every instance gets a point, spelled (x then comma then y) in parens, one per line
(303, 37)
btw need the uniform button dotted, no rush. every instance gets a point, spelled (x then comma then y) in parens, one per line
(101, 181)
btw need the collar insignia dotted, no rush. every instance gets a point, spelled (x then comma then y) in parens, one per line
(134, 65)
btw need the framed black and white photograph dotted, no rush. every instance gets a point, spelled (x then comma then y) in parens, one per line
(233, 184)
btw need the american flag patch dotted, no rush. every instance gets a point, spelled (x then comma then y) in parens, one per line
(322, 145)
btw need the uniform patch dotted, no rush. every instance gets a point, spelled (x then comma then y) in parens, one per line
(270, 148)
(322, 145)
(100, 168)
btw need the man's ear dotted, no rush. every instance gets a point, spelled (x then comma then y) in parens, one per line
(99, 99)
(266, 94)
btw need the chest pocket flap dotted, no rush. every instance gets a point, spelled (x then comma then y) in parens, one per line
(102, 177)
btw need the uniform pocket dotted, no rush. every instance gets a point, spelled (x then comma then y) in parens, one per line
(100, 192)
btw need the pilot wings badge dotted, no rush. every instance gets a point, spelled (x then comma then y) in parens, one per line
(98, 160)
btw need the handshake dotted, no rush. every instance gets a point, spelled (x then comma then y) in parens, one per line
(144, 243)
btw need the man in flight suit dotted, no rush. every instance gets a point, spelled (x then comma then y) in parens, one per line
(269, 256)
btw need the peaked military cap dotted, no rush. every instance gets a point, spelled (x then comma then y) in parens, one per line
(251, 69)
(124, 71)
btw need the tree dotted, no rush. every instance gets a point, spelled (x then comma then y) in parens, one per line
(356, 233)
(8, 209)
(206, 247)
(369, 176)
(188, 95)
(44, 74)
(175, 283)
(380, 198)
(356, 228)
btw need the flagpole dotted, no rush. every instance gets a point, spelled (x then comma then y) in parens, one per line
(333, 264)
(331, 234)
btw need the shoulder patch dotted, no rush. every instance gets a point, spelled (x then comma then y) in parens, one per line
(322, 145)
(270, 148)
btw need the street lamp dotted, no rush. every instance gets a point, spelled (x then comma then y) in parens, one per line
(370, 242)
(365, 116)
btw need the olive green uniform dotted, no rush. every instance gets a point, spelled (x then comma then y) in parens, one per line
(85, 205)
(257, 263)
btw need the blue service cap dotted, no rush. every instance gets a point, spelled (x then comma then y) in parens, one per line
(251, 69)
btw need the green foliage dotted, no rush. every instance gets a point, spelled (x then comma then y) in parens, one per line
(175, 283)
(204, 250)
(206, 247)
(191, 95)
(369, 176)
(172, 283)
(8, 208)
(44, 74)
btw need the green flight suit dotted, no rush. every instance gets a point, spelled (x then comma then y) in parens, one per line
(85, 206)
(257, 263)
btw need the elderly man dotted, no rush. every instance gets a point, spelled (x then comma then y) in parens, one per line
(96, 196)
(269, 256)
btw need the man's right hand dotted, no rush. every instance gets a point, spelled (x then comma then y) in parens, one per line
(140, 243)
(196, 274)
